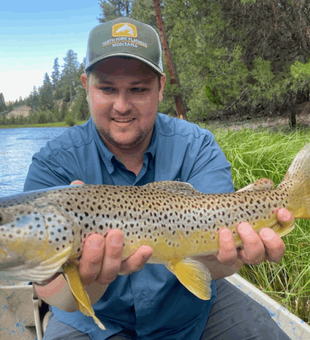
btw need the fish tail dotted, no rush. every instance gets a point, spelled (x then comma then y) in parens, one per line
(297, 183)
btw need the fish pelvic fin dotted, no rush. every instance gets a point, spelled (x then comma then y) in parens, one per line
(297, 183)
(193, 275)
(80, 295)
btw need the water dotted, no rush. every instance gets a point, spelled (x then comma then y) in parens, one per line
(17, 147)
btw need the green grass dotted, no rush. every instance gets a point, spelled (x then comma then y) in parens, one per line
(262, 153)
(58, 124)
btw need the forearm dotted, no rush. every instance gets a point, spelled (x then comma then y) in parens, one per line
(58, 294)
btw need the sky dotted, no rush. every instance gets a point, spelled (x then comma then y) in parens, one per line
(34, 33)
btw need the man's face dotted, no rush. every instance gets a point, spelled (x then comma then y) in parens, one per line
(123, 95)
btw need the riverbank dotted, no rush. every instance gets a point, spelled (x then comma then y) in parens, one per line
(58, 124)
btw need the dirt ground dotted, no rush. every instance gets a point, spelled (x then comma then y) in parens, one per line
(235, 122)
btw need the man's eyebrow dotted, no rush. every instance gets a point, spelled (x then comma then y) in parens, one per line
(106, 82)
(142, 81)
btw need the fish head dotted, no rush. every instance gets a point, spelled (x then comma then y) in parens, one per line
(35, 238)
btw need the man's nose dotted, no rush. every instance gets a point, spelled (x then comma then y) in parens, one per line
(122, 103)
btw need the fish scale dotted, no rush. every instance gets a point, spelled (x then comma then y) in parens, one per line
(145, 221)
(42, 231)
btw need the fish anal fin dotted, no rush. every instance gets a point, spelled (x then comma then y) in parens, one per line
(194, 275)
(302, 212)
(174, 187)
(79, 293)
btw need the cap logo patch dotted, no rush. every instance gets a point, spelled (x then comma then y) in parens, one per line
(124, 30)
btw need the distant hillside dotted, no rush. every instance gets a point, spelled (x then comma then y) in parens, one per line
(23, 110)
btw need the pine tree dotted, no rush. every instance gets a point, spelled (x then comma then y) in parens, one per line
(112, 9)
(69, 72)
(46, 94)
(2, 103)
(34, 101)
(63, 112)
(80, 107)
(56, 74)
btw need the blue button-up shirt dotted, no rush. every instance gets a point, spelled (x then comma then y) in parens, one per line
(151, 302)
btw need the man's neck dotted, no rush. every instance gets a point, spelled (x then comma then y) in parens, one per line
(131, 158)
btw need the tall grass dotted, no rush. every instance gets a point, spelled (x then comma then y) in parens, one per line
(256, 154)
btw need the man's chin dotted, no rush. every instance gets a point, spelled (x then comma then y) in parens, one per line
(122, 143)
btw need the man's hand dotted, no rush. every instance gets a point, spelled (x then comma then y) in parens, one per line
(102, 258)
(266, 245)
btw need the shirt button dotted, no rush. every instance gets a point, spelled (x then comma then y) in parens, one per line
(141, 296)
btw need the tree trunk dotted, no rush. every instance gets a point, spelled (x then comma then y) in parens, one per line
(292, 118)
(171, 68)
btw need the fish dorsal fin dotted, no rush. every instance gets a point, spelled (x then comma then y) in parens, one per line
(79, 293)
(193, 275)
(261, 184)
(174, 187)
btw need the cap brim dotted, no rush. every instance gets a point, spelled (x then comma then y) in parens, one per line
(123, 54)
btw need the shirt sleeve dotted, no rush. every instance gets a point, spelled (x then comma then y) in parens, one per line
(211, 171)
(42, 175)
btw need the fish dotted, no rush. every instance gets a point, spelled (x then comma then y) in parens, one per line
(43, 232)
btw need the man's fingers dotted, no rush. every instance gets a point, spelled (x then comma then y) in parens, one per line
(136, 261)
(284, 215)
(227, 253)
(274, 246)
(253, 251)
(91, 260)
(77, 182)
(113, 257)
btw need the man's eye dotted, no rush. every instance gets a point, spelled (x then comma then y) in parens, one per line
(138, 89)
(107, 89)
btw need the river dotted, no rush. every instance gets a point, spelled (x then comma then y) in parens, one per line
(17, 147)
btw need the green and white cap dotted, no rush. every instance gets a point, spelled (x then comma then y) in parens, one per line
(124, 37)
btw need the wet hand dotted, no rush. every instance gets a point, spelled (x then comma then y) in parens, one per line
(102, 257)
(266, 245)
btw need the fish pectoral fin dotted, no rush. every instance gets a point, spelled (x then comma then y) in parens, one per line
(81, 297)
(193, 275)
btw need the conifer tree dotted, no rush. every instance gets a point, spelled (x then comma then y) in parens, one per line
(46, 94)
(112, 9)
(56, 74)
(2, 103)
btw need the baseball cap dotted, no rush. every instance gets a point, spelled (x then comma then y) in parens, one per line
(124, 37)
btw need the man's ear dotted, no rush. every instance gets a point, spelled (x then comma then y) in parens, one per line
(84, 81)
(162, 86)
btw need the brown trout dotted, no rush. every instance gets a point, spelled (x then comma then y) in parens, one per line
(43, 231)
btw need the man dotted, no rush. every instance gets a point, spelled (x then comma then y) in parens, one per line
(126, 142)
